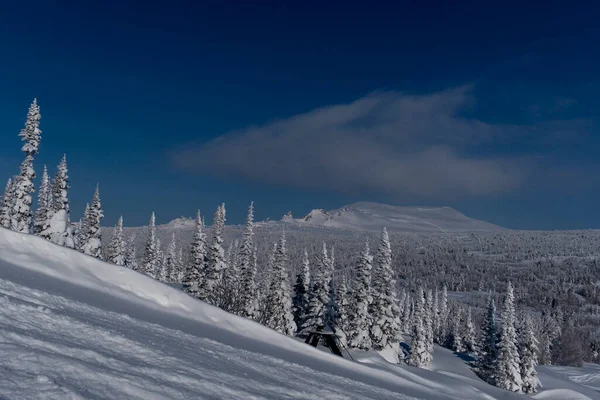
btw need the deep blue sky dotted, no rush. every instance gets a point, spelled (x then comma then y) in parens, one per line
(124, 87)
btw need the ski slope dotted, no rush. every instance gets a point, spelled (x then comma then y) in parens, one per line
(73, 327)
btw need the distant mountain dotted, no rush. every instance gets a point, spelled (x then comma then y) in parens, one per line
(366, 216)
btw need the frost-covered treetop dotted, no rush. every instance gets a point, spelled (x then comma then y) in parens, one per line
(31, 133)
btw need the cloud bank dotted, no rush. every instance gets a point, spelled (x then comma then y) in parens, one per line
(386, 142)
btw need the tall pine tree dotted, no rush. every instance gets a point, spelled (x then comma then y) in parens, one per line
(150, 259)
(215, 261)
(247, 302)
(117, 246)
(21, 218)
(301, 292)
(92, 235)
(195, 271)
(528, 351)
(44, 206)
(507, 373)
(384, 332)
(360, 319)
(319, 295)
(7, 204)
(488, 346)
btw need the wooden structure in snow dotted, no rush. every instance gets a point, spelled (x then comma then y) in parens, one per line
(328, 338)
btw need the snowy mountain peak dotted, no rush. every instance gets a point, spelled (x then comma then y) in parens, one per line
(374, 216)
(181, 223)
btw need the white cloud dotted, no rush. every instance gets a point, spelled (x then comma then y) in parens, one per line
(387, 142)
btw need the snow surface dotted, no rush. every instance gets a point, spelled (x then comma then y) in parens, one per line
(74, 327)
(373, 216)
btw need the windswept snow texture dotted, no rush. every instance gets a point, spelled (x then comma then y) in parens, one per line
(374, 216)
(74, 327)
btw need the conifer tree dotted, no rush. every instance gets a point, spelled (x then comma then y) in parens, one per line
(407, 314)
(343, 309)
(181, 266)
(7, 204)
(419, 355)
(195, 271)
(301, 292)
(319, 294)
(150, 259)
(208, 290)
(247, 268)
(507, 371)
(169, 267)
(60, 230)
(160, 260)
(428, 325)
(528, 350)
(455, 337)
(91, 230)
(435, 313)
(442, 333)
(230, 284)
(384, 330)
(279, 301)
(470, 337)
(21, 216)
(117, 246)
(44, 207)
(488, 349)
(360, 319)
(130, 254)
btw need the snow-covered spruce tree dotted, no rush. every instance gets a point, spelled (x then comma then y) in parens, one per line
(319, 294)
(332, 313)
(208, 290)
(442, 332)
(301, 292)
(92, 233)
(230, 284)
(160, 259)
(150, 261)
(116, 247)
(21, 218)
(181, 266)
(7, 204)
(82, 229)
(195, 270)
(169, 267)
(247, 300)
(384, 330)
(428, 325)
(507, 372)
(59, 229)
(470, 336)
(407, 314)
(343, 309)
(360, 322)
(43, 214)
(419, 355)
(279, 299)
(130, 254)
(488, 346)
(455, 337)
(435, 312)
(528, 351)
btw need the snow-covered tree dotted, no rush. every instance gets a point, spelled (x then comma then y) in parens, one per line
(470, 336)
(230, 283)
(248, 299)
(360, 322)
(488, 346)
(215, 261)
(301, 292)
(130, 254)
(319, 294)
(7, 204)
(442, 325)
(279, 299)
(407, 314)
(21, 218)
(428, 325)
(160, 259)
(528, 351)
(117, 245)
(455, 339)
(384, 330)
(150, 259)
(169, 266)
(60, 230)
(343, 309)
(419, 354)
(507, 372)
(195, 269)
(91, 230)
(44, 204)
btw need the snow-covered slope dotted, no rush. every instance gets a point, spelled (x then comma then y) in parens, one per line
(74, 327)
(374, 216)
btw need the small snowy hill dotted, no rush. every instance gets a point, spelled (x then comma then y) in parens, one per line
(373, 216)
(73, 327)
